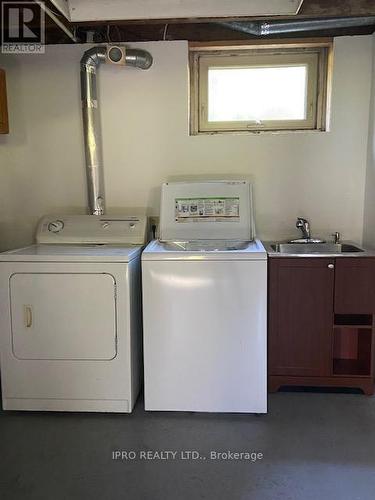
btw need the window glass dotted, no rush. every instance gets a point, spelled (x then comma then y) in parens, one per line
(257, 94)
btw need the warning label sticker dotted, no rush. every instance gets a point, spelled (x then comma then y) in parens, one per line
(213, 209)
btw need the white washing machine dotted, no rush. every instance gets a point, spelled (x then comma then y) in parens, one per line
(70, 316)
(205, 302)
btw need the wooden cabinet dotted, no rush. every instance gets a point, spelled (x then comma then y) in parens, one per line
(321, 316)
(4, 124)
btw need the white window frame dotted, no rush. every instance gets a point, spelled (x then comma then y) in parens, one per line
(316, 55)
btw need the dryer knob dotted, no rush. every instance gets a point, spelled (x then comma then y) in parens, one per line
(55, 226)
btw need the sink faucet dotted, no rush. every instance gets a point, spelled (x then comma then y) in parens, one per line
(336, 237)
(304, 226)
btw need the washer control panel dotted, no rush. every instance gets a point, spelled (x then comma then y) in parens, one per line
(92, 229)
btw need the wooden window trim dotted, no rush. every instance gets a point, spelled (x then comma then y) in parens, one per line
(199, 53)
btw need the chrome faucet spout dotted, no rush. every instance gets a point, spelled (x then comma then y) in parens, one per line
(304, 226)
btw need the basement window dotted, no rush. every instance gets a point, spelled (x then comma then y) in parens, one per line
(259, 88)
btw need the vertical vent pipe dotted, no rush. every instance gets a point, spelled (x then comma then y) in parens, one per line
(90, 62)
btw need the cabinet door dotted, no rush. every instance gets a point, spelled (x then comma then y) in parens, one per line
(63, 316)
(300, 316)
(355, 285)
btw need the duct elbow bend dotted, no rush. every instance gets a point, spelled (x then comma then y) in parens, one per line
(93, 57)
(138, 58)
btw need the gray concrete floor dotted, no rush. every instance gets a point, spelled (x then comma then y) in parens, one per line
(315, 446)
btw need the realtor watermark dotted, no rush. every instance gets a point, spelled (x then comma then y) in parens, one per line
(171, 455)
(22, 28)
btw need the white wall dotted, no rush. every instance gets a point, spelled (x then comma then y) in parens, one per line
(145, 138)
(369, 212)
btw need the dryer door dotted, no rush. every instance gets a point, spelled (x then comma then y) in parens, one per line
(63, 316)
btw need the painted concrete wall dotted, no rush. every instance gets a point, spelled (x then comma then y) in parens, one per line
(369, 211)
(145, 140)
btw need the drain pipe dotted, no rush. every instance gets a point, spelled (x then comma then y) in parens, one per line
(90, 61)
(263, 28)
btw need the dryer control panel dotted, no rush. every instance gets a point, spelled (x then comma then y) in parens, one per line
(92, 229)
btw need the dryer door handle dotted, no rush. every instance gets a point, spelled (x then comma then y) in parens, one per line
(28, 316)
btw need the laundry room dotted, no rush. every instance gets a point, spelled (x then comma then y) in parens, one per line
(187, 249)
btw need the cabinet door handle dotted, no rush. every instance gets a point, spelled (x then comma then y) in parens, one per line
(331, 266)
(28, 315)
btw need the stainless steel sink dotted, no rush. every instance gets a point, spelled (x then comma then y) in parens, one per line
(316, 248)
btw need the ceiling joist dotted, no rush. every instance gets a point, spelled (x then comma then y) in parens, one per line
(200, 29)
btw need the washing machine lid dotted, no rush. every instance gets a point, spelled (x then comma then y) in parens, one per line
(209, 210)
(205, 250)
(72, 253)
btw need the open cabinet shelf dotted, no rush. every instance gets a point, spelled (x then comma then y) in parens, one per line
(352, 351)
(353, 320)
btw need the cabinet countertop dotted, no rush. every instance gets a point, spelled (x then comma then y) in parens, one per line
(272, 253)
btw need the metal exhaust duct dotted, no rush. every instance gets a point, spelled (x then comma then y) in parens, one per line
(90, 61)
(262, 28)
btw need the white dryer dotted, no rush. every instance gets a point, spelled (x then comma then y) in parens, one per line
(70, 316)
(205, 302)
